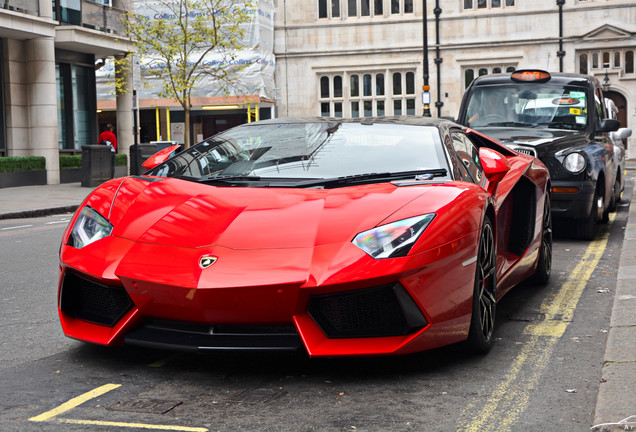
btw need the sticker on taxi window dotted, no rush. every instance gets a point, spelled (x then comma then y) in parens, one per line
(575, 111)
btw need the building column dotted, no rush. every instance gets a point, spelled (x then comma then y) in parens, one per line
(42, 104)
(124, 100)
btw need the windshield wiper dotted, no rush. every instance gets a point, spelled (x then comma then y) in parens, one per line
(229, 179)
(421, 175)
(508, 124)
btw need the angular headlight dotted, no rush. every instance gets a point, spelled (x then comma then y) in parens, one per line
(574, 162)
(394, 239)
(89, 227)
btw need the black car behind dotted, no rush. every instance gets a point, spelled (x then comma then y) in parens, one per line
(561, 119)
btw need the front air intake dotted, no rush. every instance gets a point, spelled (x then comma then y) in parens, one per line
(370, 312)
(91, 301)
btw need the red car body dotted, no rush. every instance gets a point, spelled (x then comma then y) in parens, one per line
(195, 266)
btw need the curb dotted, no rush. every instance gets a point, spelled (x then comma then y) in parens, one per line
(39, 212)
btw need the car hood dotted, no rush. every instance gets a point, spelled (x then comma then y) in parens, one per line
(187, 214)
(529, 136)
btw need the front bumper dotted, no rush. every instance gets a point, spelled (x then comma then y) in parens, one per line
(348, 305)
(572, 204)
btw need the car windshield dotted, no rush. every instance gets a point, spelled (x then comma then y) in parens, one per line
(527, 105)
(309, 151)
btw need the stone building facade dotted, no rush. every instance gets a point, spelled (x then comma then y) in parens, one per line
(48, 50)
(355, 58)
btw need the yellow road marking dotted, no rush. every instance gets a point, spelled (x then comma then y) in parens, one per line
(75, 402)
(133, 425)
(510, 399)
(51, 416)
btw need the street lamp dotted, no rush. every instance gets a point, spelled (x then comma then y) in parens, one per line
(426, 94)
(560, 52)
(606, 82)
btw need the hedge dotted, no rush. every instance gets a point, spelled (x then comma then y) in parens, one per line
(121, 159)
(22, 163)
(75, 161)
(35, 163)
(70, 161)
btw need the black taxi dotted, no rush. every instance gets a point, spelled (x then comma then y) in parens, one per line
(562, 120)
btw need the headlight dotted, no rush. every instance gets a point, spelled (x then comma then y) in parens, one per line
(394, 239)
(89, 227)
(574, 162)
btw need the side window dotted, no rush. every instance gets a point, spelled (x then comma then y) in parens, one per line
(598, 106)
(468, 155)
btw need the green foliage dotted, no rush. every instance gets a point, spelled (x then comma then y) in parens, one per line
(70, 161)
(22, 163)
(121, 159)
(189, 32)
(75, 161)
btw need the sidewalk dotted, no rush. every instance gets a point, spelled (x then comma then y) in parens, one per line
(616, 403)
(34, 201)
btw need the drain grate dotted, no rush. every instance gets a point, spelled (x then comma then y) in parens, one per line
(147, 406)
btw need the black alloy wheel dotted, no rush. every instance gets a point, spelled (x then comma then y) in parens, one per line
(480, 335)
(544, 264)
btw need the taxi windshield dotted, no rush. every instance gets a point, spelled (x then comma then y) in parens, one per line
(528, 105)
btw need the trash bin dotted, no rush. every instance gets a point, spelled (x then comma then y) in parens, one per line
(96, 165)
(138, 155)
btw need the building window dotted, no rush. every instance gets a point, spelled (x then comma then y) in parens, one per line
(471, 72)
(487, 4)
(364, 8)
(77, 123)
(595, 62)
(629, 62)
(369, 94)
(328, 8)
(583, 64)
(401, 7)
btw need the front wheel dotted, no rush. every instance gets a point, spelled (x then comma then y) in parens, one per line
(482, 323)
(544, 264)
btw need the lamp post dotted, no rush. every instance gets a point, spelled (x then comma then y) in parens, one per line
(426, 94)
(560, 52)
(606, 82)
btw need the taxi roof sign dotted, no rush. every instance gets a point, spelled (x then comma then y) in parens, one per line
(530, 76)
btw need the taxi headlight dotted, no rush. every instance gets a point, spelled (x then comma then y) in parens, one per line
(574, 163)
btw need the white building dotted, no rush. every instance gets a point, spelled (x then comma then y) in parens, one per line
(48, 50)
(355, 58)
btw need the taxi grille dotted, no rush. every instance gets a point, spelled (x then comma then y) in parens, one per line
(525, 150)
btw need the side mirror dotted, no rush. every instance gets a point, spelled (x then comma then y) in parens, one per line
(609, 125)
(623, 133)
(160, 157)
(495, 167)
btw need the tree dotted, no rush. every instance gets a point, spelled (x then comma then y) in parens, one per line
(181, 36)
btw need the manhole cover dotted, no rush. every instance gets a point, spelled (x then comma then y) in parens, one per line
(149, 406)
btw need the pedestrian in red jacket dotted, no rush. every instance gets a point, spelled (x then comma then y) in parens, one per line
(108, 137)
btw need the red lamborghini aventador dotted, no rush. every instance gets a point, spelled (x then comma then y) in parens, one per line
(341, 237)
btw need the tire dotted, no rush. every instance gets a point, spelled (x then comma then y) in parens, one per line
(616, 197)
(544, 264)
(482, 322)
(586, 227)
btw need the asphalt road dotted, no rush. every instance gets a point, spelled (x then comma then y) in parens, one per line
(543, 373)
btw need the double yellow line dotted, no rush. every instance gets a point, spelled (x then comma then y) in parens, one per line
(511, 396)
